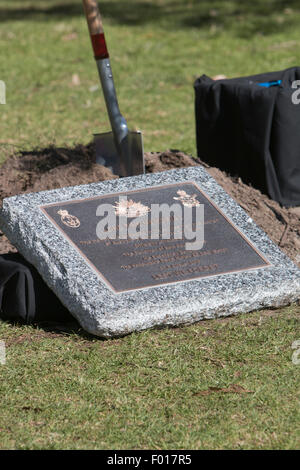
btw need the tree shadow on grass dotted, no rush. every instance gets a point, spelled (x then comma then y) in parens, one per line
(130, 13)
(243, 19)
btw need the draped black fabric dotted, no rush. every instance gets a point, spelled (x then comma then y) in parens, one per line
(23, 294)
(253, 131)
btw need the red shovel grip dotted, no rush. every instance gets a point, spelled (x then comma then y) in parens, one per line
(94, 22)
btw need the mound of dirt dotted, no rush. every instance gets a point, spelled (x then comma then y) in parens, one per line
(58, 167)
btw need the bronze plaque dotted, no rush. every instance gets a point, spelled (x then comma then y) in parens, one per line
(131, 264)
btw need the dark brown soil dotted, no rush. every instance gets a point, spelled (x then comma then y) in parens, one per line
(58, 167)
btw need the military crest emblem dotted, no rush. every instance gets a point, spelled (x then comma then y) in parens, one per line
(68, 219)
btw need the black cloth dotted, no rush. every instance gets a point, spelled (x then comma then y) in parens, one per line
(23, 294)
(252, 131)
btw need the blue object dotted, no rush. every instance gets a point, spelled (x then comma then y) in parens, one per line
(269, 84)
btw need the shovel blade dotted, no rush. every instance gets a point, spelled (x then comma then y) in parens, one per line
(127, 160)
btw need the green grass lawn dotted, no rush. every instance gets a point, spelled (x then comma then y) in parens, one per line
(157, 47)
(218, 384)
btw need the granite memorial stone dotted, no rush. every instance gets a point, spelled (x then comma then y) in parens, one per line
(118, 284)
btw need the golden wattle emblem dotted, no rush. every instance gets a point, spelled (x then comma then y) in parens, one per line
(130, 208)
(68, 219)
(187, 199)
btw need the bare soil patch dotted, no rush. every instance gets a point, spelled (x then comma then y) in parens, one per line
(54, 167)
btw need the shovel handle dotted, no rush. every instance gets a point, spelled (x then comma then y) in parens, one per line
(94, 22)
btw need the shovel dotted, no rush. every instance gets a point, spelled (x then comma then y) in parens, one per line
(120, 150)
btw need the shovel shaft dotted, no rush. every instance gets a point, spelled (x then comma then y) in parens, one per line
(117, 121)
(121, 150)
(94, 22)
